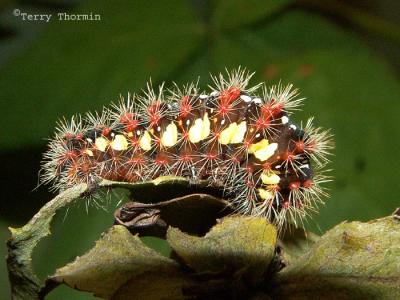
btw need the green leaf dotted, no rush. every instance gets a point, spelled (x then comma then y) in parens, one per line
(351, 261)
(120, 266)
(119, 257)
(24, 283)
(348, 88)
(79, 66)
(235, 243)
(235, 13)
(154, 285)
(295, 242)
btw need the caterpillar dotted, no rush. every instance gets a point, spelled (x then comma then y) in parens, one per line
(240, 139)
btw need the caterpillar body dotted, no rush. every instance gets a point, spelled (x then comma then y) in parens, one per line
(240, 141)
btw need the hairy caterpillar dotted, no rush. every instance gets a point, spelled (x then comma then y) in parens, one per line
(240, 141)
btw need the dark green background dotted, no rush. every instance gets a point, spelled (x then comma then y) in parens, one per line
(343, 56)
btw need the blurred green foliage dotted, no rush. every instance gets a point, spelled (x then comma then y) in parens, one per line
(73, 67)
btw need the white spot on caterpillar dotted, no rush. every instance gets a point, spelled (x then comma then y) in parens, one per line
(293, 127)
(214, 94)
(203, 96)
(257, 100)
(222, 121)
(138, 132)
(158, 129)
(284, 119)
(170, 136)
(89, 140)
(145, 141)
(245, 98)
(257, 135)
(119, 143)
(101, 144)
(187, 122)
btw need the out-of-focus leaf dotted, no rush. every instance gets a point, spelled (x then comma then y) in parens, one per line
(231, 14)
(117, 258)
(359, 17)
(348, 88)
(351, 261)
(246, 243)
(79, 66)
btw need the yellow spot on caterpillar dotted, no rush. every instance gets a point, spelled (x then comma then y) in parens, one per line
(170, 135)
(130, 134)
(264, 194)
(205, 131)
(119, 143)
(195, 131)
(238, 135)
(200, 130)
(263, 149)
(226, 134)
(89, 152)
(233, 134)
(145, 141)
(101, 144)
(270, 178)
